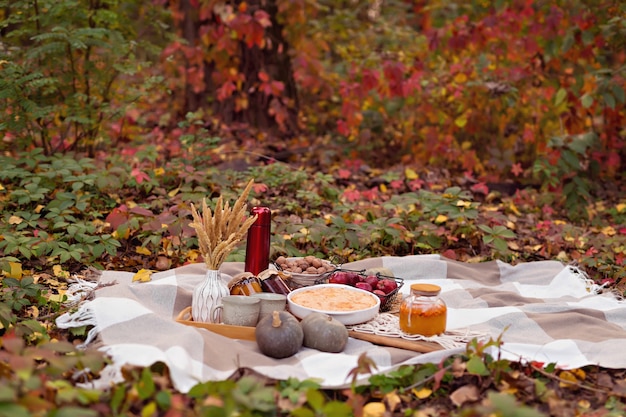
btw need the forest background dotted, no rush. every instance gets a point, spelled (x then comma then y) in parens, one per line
(476, 129)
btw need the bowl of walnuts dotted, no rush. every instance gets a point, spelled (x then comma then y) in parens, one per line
(305, 271)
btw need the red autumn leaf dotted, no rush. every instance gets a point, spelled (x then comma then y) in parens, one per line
(139, 175)
(259, 188)
(371, 194)
(263, 18)
(254, 35)
(342, 128)
(141, 211)
(396, 184)
(528, 135)
(480, 188)
(118, 216)
(226, 90)
(416, 184)
(369, 79)
(516, 169)
(263, 76)
(352, 195)
(344, 174)
(394, 73)
(449, 253)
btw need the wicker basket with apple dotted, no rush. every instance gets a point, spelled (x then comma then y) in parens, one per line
(384, 285)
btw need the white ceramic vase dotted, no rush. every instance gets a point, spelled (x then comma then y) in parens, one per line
(206, 296)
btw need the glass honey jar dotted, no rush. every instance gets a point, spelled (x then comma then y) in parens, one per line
(423, 312)
(245, 284)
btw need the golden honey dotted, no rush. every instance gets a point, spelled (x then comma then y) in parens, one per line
(423, 312)
(247, 286)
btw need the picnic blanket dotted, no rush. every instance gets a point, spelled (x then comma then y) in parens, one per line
(544, 311)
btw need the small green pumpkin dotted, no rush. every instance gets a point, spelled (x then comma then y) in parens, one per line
(325, 333)
(279, 335)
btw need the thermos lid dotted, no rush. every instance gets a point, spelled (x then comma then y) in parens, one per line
(264, 216)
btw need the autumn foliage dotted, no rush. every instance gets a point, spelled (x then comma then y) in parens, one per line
(479, 86)
(498, 89)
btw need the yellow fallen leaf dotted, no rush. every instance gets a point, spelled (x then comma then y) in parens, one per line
(173, 192)
(32, 311)
(422, 393)
(159, 171)
(621, 207)
(374, 409)
(58, 271)
(441, 219)
(15, 270)
(15, 220)
(143, 275)
(461, 121)
(56, 298)
(460, 78)
(571, 378)
(142, 250)
(608, 231)
(383, 188)
(463, 203)
(392, 400)
(514, 209)
(410, 174)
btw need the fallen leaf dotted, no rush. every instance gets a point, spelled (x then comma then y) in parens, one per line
(410, 174)
(441, 219)
(422, 393)
(392, 400)
(58, 272)
(15, 220)
(374, 409)
(142, 250)
(143, 275)
(467, 393)
(458, 368)
(15, 270)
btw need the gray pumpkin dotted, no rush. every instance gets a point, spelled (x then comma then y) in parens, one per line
(279, 335)
(325, 333)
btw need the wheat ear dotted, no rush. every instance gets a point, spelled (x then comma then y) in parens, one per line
(221, 230)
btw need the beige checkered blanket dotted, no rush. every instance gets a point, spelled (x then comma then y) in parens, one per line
(545, 311)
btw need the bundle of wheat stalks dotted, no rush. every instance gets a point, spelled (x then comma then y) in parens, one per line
(220, 231)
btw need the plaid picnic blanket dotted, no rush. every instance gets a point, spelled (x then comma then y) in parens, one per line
(544, 311)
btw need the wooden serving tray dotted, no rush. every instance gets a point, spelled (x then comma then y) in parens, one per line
(248, 333)
(413, 345)
(233, 332)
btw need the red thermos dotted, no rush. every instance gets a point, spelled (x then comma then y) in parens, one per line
(258, 244)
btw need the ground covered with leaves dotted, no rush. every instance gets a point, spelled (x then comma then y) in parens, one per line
(65, 214)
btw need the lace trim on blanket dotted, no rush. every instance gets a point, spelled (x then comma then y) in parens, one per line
(386, 324)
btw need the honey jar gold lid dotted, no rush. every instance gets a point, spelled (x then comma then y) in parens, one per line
(426, 289)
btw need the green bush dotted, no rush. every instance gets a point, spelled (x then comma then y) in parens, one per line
(67, 68)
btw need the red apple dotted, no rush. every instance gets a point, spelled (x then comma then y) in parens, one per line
(387, 285)
(364, 286)
(339, 278)
(344, 277)
(380, 295)
(372, 280)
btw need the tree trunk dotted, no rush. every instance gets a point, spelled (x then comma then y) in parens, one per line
(273, 113)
